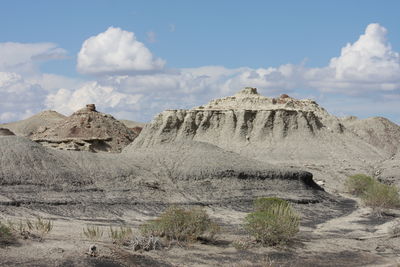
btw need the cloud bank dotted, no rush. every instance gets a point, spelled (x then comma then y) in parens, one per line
(131, 83)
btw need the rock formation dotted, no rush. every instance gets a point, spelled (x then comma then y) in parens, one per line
(283, 131)
(87, 130)
(136, 127)
(27, 127)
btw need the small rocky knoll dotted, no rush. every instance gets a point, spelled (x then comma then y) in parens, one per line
(86, 130)
(27, 127)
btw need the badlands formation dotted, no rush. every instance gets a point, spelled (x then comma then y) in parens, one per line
(283, 131)
(220, 156)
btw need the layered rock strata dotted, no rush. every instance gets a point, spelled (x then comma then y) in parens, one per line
(87, 130)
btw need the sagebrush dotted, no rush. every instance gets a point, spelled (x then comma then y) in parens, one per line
(275, 225)
(6, 234)
(373, 193)
(264, 203)
(180, 224)
(358, 184)
(381, 196)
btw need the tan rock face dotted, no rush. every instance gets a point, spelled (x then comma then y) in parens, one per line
(89, 130)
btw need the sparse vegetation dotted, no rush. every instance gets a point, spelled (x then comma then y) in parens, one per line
(276, 224)
(6, 234)
(381, 196)
(181, 224)
(37, 229)
(146, 243)
(121, 236)
(373, 193)
(264, 203)
(94, 233)
(358, 184)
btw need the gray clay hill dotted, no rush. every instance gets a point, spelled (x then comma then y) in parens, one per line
(283, 131)
(27, 127)
(88, 130)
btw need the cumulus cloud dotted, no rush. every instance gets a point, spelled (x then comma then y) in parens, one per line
(21, 58)
(367, 65)
(116, 51)
(19, 99)
(370, 58)
(106, 98)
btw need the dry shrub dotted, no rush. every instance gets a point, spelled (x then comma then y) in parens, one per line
(180, 224)
(94, 233)
(121, 236)
(358, 184)
(381, 196)
(374, 194)
(36, 229)
(146, 243)
(6, 234)
(275, 225)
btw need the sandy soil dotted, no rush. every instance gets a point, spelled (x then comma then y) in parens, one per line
(358, 238)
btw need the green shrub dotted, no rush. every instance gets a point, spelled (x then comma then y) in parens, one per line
(121, 236)
(94, 233)
(265, 203)
(181, 224)
(373, 193)
(358, 184)
(6, 234)
(381, 196)
(274, 226)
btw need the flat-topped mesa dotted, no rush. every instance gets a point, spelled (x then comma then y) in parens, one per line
(234, 121)
(86, 129)
(250, 99)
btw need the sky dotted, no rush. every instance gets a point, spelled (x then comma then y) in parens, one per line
(134, 59)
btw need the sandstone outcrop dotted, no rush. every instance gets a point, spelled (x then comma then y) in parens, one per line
(86, 130)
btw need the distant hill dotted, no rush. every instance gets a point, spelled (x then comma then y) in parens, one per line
(27, 127)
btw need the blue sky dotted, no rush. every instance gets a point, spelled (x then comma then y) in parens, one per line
(287, 45)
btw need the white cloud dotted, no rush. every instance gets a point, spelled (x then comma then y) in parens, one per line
(116, 51)
(370, 58)
(19, 99)
(106, 98)
(22, 58)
